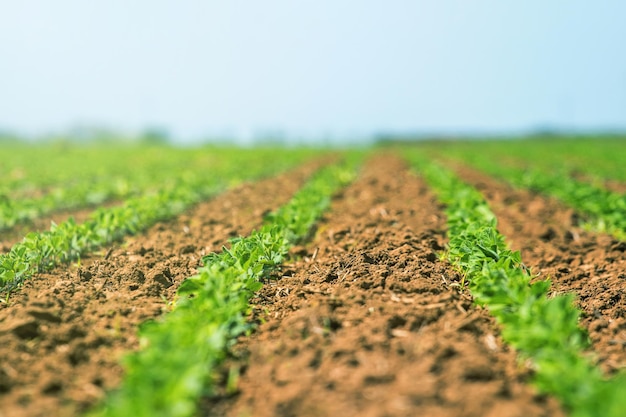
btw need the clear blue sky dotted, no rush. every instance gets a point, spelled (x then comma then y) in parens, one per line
(312, 67)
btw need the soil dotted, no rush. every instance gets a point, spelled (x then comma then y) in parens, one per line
(63, 332)
(590, 265)
(367, 321)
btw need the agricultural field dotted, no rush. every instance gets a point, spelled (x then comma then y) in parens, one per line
(443, 278)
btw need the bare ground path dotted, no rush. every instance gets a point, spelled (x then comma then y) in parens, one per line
(63, 333)
(368, 322)
(591, 265)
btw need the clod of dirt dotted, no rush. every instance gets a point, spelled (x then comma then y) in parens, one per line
(84, 275)
(45, 315)
(548, 235)
(5, 381)
(619, 246)
(163, 277)
(26, 329)
(52, 387)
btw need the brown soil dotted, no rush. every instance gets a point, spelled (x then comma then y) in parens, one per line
(367, 321)
(591, 265)
(63, 333)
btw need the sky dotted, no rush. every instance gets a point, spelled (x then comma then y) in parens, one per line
(312, 68)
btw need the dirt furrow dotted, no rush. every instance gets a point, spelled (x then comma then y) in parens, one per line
(63, 333)
(591, 265)
(368, 321)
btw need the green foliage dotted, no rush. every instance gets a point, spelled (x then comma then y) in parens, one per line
(598, 157)
(543, 329)
(179, 352)
(601, 209)
(41, 179)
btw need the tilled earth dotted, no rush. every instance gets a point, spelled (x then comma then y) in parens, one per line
(365, 319)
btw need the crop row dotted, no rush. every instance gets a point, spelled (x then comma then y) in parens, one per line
(31, 171)
(96, 175)
(533, 166)
(69, 240)
(543, 329)
(600, 209)
(180, 351)
(89, 192)
(592, 158)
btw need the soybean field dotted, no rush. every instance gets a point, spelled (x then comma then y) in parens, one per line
(438, 278)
